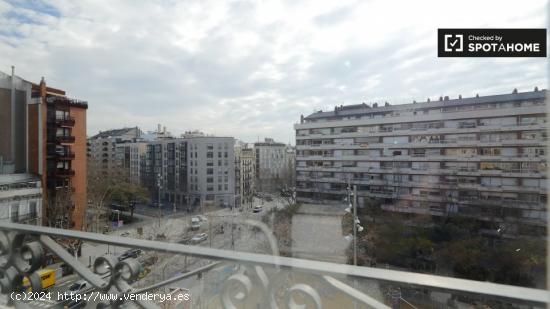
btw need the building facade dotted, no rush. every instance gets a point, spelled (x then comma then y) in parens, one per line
(46, 136)
(479, 157)
(102, 148)
(211, 177)
(129, 158)
(272, 165)
(21, 198)
(165, 164)
(245, 174)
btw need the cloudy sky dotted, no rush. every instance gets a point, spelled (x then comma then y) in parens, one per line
(250, 68)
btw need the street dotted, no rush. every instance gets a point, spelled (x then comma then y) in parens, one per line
(173, 227)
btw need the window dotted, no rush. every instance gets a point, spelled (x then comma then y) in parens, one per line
(14, 215)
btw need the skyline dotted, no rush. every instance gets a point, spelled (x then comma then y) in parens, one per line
(250, 70)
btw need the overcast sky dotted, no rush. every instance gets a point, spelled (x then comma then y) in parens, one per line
(249, 68)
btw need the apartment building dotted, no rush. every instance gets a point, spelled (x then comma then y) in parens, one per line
(21, 198)
(245, 162)
(129, 157)
(272, 164)
(102, 148)
(482, 157)
(211, 177)
(193, 171)
(165, 164)
(45, 134)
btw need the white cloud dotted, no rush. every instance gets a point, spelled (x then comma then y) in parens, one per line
(250, 68)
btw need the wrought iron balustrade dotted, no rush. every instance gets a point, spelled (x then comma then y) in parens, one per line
(270, 281)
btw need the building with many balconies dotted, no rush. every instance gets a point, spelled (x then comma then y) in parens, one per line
(245, 171)
(480, 157)
(193, 171)
(45, 134)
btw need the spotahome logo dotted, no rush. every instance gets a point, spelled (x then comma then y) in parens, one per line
(491, 42)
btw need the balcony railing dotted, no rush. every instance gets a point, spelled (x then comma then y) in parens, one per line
(65, 121)
(237, 279)
(66, 155)
(67, 139)
(61, 172)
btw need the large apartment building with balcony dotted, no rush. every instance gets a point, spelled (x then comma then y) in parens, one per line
(480, 157)
(45, 135)
(103, 156)
(194, 170)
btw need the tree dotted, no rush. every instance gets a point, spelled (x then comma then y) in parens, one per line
(104, 189)
(373, 207)
(58, 209)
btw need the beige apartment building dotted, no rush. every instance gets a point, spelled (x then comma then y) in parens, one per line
(245, 171)
(482, 157)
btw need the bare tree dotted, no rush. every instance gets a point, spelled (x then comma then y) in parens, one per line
(59, 206)
(105, 188)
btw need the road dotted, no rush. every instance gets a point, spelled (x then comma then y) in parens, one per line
(173, 227)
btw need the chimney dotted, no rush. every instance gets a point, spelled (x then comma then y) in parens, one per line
(515, 91)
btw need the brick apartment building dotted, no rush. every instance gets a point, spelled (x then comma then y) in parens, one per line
(45, 134)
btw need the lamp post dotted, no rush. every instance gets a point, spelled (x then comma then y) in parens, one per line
(158, 184)
(117, 218)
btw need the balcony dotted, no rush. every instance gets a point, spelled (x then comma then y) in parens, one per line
(63, 173)
(65, 155)
(233, 279)
(67, 139)
(65, 121)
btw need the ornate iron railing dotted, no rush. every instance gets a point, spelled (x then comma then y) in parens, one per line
(272, 280)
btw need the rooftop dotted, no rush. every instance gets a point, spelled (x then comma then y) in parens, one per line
(364, 108)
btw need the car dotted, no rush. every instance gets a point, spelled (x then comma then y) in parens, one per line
(185, 240)
(125, 234)
(257, 209)
(76, 304)
(195, 223)
(132, 253)
(268, 198)
(199, 238)
(79, 286)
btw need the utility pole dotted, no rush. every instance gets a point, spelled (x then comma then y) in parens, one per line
(210, 230)
(355, 225)
(158, 184)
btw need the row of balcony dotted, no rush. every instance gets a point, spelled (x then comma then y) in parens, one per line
(433, 185)
(431, 130)
(533, 173)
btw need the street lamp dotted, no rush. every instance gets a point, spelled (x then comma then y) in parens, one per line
(117, 218)
(158, 184)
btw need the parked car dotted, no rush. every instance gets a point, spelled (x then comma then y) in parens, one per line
(125, 234)
(132, 253)
(199, 238)
(79, 286)
(257, 209)
(185, 240)
(195, 223)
